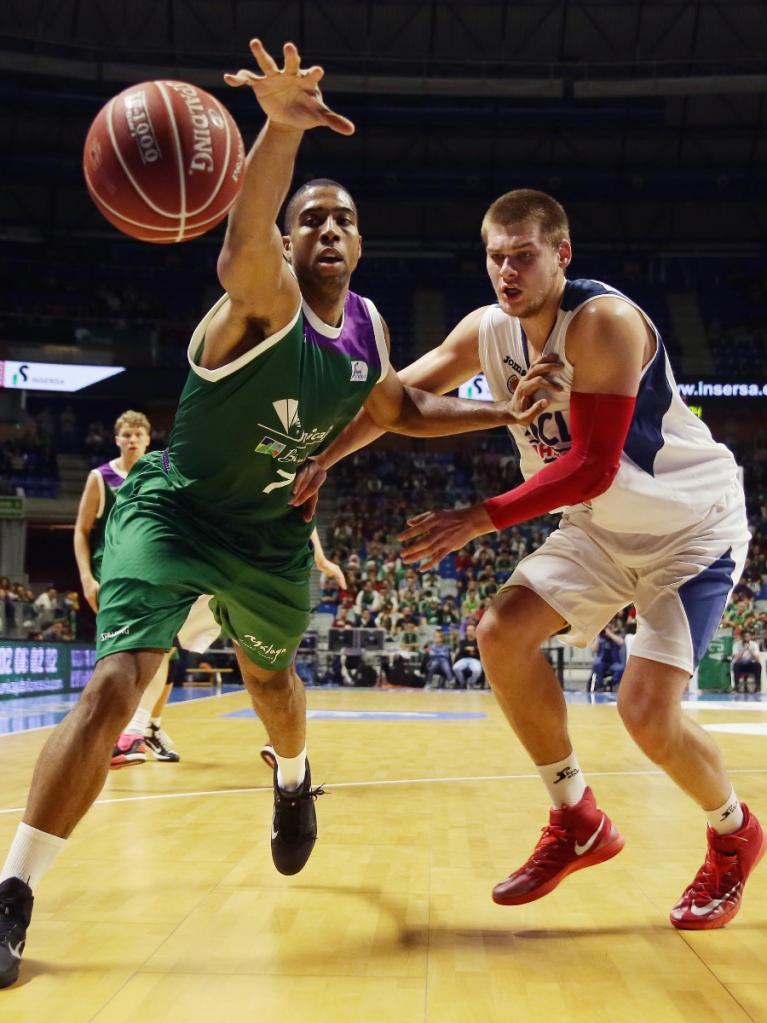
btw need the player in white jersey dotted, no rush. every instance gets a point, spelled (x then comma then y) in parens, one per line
(653, 514)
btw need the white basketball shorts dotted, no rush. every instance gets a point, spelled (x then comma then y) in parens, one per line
(200, 628)
(679, 583)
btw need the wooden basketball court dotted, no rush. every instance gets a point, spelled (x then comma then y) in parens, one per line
(165, 905)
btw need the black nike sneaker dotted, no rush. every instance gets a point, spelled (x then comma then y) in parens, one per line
(294, 824)
(15, 913)
(160, 744)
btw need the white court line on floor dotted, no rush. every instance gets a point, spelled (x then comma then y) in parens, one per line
(728, 705)
(739, 727)
(376, 784)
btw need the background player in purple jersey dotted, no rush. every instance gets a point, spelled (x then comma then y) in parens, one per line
(144, 730)
(654, 515)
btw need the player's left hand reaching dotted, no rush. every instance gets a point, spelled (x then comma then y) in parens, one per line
(289, 96)
(306, 488)
(436, 533)
(332, 569)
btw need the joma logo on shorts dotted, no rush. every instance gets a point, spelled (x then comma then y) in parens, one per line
(117, 632)
(267, 650)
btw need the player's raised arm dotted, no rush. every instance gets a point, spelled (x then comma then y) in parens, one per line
(262, 290)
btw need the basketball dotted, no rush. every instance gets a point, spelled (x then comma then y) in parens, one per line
(164, 161)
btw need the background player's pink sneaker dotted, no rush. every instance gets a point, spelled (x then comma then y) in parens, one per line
(576, 836)
(128, 752)
(715, 895)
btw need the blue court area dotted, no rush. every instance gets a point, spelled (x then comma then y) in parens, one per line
(28, 713)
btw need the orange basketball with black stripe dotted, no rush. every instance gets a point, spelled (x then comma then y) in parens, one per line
(164, 161)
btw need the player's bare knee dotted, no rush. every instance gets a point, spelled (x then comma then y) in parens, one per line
(500, 633)
(653, 728)
(115, 689)
(270, 683)
(110, 696)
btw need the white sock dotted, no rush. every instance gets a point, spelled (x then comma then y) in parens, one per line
(30, 855)
(291, 770)
(564, 781)
(728, 817)
(137, 724)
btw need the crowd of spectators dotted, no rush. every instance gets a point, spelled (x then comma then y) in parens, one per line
(734, 314)
(747, 610)
(28, 459)
(432, 614)
(49, 617)
(28, 455)
(90, 294)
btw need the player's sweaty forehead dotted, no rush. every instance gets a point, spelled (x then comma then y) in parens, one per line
(512, 237)
(325, 201)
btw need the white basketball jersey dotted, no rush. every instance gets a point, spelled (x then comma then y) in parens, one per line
(671, 469)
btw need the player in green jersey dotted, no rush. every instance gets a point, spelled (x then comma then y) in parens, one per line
(144, 730)
(283, 361)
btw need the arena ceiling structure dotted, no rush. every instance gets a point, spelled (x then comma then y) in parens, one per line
(646, 118)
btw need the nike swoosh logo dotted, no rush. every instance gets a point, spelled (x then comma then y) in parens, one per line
(581, 849)
(274, 834)
(715, 903)
(17, 949)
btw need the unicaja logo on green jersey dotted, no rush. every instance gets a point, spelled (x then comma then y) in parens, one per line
(292, 443)
(287, 413)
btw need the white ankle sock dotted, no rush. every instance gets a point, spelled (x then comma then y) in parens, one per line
(564, 781)
(728, 817)
(31, 854)
(291, 770)
(137, 724)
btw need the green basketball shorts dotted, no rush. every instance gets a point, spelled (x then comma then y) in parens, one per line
(157, 561)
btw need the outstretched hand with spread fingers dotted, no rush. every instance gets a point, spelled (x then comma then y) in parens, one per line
(432, 535)
(289, 96)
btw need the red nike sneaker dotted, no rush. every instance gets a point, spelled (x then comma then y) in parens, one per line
(715, 895)
(128, 752)
(576, 836)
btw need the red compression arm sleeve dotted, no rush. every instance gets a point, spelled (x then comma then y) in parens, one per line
(599, 424)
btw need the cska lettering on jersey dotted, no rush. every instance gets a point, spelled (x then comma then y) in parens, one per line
(549, 435)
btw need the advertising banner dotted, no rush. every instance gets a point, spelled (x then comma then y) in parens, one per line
(31, 669)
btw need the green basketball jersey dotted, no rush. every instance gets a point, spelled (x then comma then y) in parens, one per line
(243, 431)
(110, 481)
